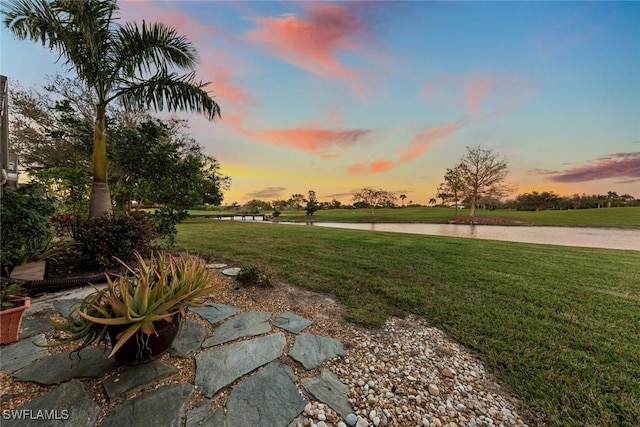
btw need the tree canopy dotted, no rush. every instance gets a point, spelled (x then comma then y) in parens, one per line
(152, 161)
(126, 62)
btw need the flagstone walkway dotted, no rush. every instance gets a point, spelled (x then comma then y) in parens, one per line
(238, 349)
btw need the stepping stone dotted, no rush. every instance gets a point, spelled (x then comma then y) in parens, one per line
(31, 326)
(136, 377)
(231, 272)
(189, 339)
(311, 350)
(16, 356)
(61, 367)
(65, 306)
(215, 313)
(68, 403)
(30, 271)
(328, 389)
(220, 366)
(215, 266)
(267, 398)
(161, 407)
(291, 322)
(201, 416)
(247, 324)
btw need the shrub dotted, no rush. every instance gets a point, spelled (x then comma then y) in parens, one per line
(25, 230)
(116, 235)
(256, 275)
(166, 219)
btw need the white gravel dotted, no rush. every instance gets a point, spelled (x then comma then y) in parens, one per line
(410, 374)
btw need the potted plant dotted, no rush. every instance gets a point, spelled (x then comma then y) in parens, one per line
(13, 305)
(139, 312)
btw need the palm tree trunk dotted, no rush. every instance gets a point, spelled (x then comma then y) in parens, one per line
(100, 202)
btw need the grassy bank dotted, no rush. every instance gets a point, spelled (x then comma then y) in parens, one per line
(559, 325)
(606, 217)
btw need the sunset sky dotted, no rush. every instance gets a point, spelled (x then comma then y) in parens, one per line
(334, 97)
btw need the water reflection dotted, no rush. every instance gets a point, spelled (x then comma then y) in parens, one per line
(608, 238)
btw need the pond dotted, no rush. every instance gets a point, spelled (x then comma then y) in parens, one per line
(608, 238)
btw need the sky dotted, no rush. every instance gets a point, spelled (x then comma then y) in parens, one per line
(337, 96)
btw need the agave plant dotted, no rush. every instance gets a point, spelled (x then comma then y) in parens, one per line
(154, 291)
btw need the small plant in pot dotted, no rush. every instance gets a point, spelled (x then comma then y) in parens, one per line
(139, 312)
(13, 305)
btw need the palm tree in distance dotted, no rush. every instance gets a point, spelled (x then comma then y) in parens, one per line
(129, 63)
(402, 197)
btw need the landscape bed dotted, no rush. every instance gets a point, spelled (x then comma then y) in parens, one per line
(558, 325)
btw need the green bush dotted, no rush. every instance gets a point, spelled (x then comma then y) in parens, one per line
(167, 218)
(116, 235)
(256, 275)
(24, 224)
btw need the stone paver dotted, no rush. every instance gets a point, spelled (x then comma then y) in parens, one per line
(68, 404)
(246, 324)
(220, 366)
(312, 350)
(215, 266)
(291, 322)
(161, 407)
(189, 339)
(65, 306)
(328, 389)
(23, 353)
(215, 313)
(136, 377)
(231, 272)
(61, 367)
(32, 326)
(267, 398)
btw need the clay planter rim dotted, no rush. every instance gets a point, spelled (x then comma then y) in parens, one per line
(11, 321)
(130, 352)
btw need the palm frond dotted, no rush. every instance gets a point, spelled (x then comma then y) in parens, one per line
(146, 48)
(34, 20)
(168, 91)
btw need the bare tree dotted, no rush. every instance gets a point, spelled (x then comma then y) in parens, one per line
(483, 173)
(374, 198)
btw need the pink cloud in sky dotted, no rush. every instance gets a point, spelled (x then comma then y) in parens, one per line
(419, 144)
(313, 40)
(482, 95)
(326, 143)
(373, 167)
(229, 94)
(619, 165)
(425, 140)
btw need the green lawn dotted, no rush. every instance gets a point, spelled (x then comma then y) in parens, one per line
(559, 325)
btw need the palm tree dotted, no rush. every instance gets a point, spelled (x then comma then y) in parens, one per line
(402, 197)
(129, 63)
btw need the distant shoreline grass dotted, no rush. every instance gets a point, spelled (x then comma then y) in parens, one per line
(558, 325)
(628, 217)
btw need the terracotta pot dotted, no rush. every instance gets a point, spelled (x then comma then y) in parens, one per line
(10, 321)
(143, 347)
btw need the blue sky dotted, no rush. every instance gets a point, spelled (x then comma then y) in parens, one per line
(336, 96)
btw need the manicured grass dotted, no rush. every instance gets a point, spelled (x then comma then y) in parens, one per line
(558, 325)
(606, 217)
